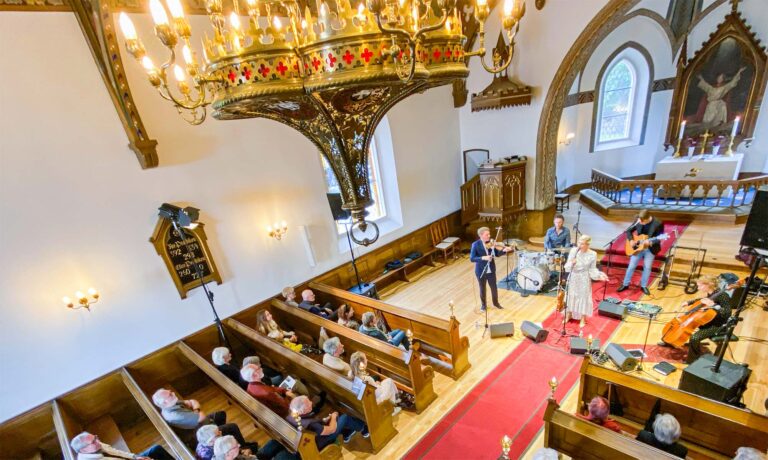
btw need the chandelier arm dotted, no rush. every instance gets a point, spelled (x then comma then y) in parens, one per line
(499, 69)
(433, 27)
(394, 31)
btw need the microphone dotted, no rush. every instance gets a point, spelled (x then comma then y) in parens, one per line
(535, 283)
(715, 307)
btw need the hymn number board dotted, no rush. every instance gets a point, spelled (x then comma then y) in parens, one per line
(180, 255)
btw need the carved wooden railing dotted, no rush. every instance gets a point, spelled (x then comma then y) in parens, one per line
(703, 193)
(470, 200)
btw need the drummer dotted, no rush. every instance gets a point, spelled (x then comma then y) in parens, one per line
(557, 236)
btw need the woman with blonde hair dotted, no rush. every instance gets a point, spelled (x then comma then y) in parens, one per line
(386, 390)
(267, 326)
(582, 265)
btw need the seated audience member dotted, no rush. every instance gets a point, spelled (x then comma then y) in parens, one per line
(222, 358)
(186, 415)
(327, 429)
(666, 432)
(396, 337)
(333, 349)
(206, 435)
(347, 317)
(598, 413)
(269, 327)
(271, 376)
(308, 304)
(276, 398)
(289, 294)
(545, 453)
(748, 453)
(386, 390)
(227, 448)
(89, 447)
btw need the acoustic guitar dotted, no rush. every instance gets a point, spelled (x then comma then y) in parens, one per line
(640, 242)
(681, 328)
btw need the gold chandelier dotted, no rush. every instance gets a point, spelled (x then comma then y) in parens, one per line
(331, 76)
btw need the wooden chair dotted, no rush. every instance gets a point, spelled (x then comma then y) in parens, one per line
(562, 200)
(444, 243)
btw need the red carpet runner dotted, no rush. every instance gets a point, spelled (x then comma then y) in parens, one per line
(511, 399)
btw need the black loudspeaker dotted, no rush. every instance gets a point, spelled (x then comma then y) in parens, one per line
(620, 357)
(502, 330)
(725, 386)
(533, 332)
(334, 201)
(579, 345)
(366, 289)
(756, 232)
(612, 310)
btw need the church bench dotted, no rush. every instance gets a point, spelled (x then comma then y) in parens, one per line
(401, 273)
(582, 439)
(277, 427)
(357, 401)
(710, 429)
(438, 337)
(404, 367)
(30, 436)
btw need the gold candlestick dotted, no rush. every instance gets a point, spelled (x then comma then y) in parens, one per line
(553, 386)
(506, 445)
(729, 150)
(589, 343)
(678, 153)
(452, 307)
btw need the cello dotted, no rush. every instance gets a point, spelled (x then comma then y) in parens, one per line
(677, 331)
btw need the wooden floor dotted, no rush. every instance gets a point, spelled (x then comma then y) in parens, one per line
(435, 287)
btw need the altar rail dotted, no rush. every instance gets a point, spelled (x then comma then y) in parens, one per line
(697, 193)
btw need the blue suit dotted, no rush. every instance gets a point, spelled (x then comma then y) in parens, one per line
(485, 275)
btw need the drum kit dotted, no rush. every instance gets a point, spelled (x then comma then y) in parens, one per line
(535, 268)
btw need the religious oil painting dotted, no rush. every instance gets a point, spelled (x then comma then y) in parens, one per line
(719, 89)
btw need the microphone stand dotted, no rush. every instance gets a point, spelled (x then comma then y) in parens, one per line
(576, 230)
(639, 368)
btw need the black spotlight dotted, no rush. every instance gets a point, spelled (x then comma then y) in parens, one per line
(185, 217)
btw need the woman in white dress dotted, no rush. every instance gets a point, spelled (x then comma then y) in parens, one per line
(582, 265)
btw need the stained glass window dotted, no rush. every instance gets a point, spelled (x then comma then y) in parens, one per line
(616, 102)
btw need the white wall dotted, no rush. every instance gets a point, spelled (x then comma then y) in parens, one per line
(574, 162)
(77, 210)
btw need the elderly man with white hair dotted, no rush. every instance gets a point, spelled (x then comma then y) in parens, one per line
(748, 453)
(545, 453)
(276, 398)
(89, 447)
(333, 349)
(666, 432)
(222, 358)
(308, 304)
(227, 448)
(187, 416)
(327, 429)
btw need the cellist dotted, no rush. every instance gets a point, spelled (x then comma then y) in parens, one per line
(721, 301)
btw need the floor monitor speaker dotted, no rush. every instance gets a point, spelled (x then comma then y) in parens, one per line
(502, 330)
(724, 386)
(620, 357)
(579, 345)
(755, 231)
(533, 332)
(612, 310)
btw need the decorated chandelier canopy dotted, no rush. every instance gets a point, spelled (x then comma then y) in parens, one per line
(331, 77)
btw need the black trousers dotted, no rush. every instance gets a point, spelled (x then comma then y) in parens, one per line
(489, 278)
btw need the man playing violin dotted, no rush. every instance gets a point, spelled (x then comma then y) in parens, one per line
(482, 254)
(719, 300)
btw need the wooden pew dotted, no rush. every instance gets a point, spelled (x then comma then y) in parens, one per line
(710, 429)
(340, 389)
(404, 367)
(439, 337)
(581, 439)
(31, 436)
(278, 428)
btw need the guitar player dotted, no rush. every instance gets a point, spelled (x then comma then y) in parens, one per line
(644, 225)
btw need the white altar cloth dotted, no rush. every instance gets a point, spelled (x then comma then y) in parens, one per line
(700, 168)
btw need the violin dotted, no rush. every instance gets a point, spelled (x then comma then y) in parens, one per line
(492, 244)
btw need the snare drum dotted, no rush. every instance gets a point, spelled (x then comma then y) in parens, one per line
(533, 278)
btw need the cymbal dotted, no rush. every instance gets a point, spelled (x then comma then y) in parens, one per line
(560, 249)
(516, 242)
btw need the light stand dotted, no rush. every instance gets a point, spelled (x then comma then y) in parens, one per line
(564, 333)
(352, 254)
(179, 219)
(576, 230)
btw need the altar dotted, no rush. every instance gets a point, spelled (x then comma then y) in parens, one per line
(700, 167)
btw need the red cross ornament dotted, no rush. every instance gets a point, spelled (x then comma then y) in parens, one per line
(316, 63)
(247, 73)
(281, 68)
(348, 57)
(331, 60)
(367, 54)
(264, 70)
(232, 75)
(436, 54)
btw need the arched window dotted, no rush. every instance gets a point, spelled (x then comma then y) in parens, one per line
(375, 211)
(617, 96)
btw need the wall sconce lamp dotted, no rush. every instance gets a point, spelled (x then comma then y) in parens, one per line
(82, 300)
(277, 231)
(568, 138)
